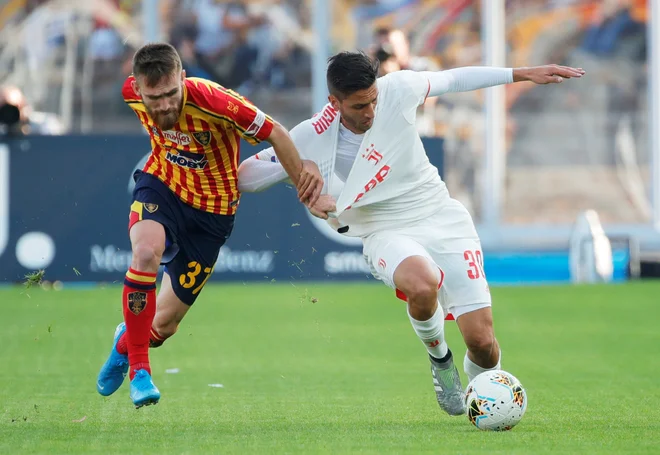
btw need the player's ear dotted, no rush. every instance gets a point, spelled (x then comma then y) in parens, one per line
(334, 102)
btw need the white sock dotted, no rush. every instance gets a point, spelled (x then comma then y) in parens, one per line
(472, 370)
(432, 333)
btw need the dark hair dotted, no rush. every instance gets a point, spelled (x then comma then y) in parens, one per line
(349, 72)
(155, 61)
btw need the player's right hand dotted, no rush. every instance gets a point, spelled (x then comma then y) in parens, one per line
(547, 74)
(310, 183)
(324, 205)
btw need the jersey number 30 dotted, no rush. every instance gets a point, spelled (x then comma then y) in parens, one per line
(475, 262)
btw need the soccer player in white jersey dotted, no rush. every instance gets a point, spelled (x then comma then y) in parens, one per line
(417, 239)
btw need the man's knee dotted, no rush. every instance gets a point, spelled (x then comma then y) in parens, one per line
(481, 343)
(418, 279)
(148, 245)
(422, 289)
(146, 255)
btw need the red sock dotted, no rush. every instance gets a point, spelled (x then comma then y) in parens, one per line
(139, 304)
(122, 346)
(155, 340)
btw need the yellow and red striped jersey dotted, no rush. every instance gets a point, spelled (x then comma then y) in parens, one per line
(198, 158)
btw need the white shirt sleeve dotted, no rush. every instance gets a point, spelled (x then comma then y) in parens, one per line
(416, 86)
(466, 79)
(419, 85)
(260, 172)
(264, 170)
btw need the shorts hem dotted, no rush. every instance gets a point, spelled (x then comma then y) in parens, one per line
(473, 303)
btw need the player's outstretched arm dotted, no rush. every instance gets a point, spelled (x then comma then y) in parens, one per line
(470, 78)
(304, 174)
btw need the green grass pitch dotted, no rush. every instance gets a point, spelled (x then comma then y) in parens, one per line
(320, 368)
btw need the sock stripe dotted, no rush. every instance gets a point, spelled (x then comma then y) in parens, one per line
(137, 272)
(140, 286)
(156, 336)
(141, 277)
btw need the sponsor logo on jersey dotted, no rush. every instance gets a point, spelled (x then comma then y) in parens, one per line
(378, 178)
(177, 137)
(325, 118)
(190, 163)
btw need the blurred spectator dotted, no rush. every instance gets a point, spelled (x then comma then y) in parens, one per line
(392, 49)
(18, 118)
(614, 38)
(183, 38)
(612, 22)
(220, 45)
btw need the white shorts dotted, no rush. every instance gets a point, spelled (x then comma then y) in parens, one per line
(447, 239)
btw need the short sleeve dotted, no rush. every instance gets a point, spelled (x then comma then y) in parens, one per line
(236, 111)
(253, 125)
(412, 88)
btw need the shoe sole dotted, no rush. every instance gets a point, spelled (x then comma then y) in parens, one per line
(462, 413)
(147, 402)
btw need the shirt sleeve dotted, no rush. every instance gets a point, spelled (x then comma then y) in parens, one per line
(466, 79)
(264, 170)
(414, 86)
(257, 174)
(252, 124)
(234, 110)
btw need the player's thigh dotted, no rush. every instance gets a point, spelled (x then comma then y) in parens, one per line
(170, 309)
(385, 252)
(155, 218)
(464, 286)
(198, 252)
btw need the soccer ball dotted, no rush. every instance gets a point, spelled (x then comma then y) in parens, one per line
(495, 400)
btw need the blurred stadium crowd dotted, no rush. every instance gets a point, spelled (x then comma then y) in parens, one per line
(62, 63)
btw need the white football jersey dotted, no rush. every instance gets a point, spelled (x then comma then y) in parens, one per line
(390, 182)
(417, 191)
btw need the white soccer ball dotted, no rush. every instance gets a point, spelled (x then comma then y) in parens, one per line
(495, 400)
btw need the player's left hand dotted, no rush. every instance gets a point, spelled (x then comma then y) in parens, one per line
(547, 74)
(310, 183)
(323, 206)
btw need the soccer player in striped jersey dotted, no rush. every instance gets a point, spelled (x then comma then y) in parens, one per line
(184, 202)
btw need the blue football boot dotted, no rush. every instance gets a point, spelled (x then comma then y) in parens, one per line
(143, 390)
(114, 369)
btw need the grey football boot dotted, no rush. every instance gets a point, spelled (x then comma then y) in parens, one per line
(447, 385)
